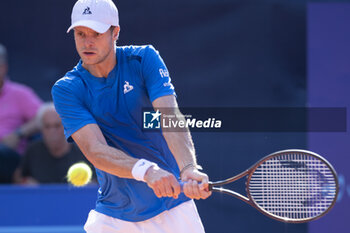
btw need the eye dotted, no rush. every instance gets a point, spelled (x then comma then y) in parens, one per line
(79, 33)
(97, 34)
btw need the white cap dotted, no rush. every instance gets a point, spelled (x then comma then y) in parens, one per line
(98, 15)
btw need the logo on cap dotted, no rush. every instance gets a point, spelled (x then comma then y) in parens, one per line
(87, 11)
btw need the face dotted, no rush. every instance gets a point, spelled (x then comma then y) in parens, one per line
(52, 128)
(93, 47)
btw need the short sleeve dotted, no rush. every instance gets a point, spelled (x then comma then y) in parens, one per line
(71, 109)
(156, 75)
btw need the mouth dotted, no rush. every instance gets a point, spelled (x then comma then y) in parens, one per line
(88, 53)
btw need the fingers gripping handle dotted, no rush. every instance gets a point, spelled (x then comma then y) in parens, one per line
(182, 183)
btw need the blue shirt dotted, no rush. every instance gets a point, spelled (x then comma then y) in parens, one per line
(115, 104)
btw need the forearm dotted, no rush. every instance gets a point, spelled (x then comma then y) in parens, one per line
(26, 130)
(95, 148)
(111, 160)
(181, 146)
(29, 128)
(179, 140)
(17, 177)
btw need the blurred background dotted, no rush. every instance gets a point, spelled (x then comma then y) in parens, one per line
(222, 53)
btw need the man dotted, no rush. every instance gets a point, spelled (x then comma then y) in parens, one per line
(100, 103)
(18, 107)
(48, 160)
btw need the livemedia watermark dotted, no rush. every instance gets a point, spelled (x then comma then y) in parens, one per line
(157, 120)
(271, 119)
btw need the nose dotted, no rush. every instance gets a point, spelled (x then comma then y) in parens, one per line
(89, 41)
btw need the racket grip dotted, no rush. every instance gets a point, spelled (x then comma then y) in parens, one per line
(182, 183)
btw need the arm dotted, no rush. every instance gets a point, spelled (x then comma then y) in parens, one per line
(23, 173)
(29, 104)
(26, 130)
(181, 146)
(29, 128)
(94, 146)
(18, 178)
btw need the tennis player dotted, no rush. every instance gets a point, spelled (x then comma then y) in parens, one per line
(100, 103)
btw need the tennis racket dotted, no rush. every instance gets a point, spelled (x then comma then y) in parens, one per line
(293, 186)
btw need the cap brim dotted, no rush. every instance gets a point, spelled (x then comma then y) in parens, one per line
(96, 26)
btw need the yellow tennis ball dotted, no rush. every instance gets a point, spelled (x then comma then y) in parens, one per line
(79, 174)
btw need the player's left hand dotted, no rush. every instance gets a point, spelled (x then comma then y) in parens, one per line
(196, 184)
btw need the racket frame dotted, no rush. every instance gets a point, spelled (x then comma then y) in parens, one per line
(213, 186)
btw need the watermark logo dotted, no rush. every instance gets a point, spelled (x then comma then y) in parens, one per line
(151, 119)
(176, 121)
(244, 119)
(173, 122)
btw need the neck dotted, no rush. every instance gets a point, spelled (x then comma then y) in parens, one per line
(103, 68)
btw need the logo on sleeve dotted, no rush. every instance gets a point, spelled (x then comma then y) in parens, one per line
(127, 87)
(168, 84)
(163, 73)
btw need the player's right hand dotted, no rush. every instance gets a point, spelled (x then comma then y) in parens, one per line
(196, 184)
(163, 183)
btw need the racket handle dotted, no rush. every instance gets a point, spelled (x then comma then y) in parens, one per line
(183, 182)
(182, 185)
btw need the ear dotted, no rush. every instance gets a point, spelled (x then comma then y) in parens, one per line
(115, 33)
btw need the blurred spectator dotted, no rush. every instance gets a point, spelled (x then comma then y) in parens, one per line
(18, 107)
(48, 160)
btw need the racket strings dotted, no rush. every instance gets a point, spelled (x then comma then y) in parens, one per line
(293, 186)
